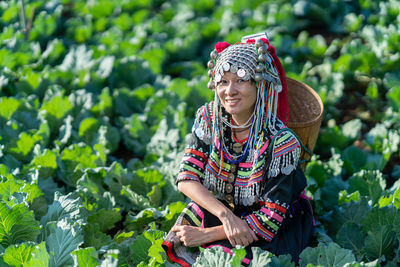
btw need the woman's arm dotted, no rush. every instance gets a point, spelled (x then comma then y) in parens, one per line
(199, 194)
(236, 230)
(282, 184)
(192, 236)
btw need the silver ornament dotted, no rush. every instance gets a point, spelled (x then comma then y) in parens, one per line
(214, 54)
(260, 68)
(262, 58)
(211, 85)
(234, 68)
(241, 73)
(218, 77)
(268, 78)
(259, 43)
(258, 77)
(262, 49)
(210, 64)
(226, 66)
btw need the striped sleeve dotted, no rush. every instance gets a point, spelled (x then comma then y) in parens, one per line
(266, 221)
(192, 165)
(197, 151)
(279, 190)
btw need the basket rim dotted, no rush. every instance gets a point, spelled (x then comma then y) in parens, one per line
(316, 96)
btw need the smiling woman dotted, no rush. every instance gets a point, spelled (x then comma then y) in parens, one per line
(240, 168)
(237, 96)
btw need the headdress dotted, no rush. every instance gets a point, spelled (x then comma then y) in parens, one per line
(254, 59)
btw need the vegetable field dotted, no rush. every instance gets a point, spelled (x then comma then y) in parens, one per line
(97, 97)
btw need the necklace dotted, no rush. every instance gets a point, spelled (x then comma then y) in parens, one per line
(238, 130)
(245, 125)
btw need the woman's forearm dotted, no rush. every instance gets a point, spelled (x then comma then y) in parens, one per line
(199, 194)
(233, 228)
(215, 233)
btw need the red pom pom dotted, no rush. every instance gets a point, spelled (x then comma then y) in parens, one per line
(220, 46)
(252, 41)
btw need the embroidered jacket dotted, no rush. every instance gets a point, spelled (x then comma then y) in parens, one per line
(270, 180)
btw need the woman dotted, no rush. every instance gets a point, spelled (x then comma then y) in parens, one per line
(240, 168)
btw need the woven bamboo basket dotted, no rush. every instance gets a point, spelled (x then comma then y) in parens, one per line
(305, 114)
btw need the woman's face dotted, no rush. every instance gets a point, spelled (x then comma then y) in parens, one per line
(237, 96)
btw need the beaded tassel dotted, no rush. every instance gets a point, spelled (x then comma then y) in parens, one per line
(285, 163)
(237, 196)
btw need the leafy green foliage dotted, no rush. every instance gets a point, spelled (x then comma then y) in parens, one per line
(94, 237)
(17, 224)
(147, 245)
(330, 255)
(368, 183)
(85, 257)
(18, 255)
(97, 97)
(27, 254)
(62, 240)
(64, 207)
(214, 257)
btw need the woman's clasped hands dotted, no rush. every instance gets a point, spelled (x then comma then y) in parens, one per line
(237, 230)
(233, 228)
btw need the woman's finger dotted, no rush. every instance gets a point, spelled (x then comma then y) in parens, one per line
(248, 239)
(253, 235)
(179, 234)
(232, 241)
(244, 242)
(177, 228)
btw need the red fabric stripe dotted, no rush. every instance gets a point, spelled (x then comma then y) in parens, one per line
(275, 206)
(195, 152)
(171, 255)
(214, 167)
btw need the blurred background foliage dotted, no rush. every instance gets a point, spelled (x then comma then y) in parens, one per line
(96, 98)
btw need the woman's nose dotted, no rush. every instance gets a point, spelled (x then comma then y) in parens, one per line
(231, 89)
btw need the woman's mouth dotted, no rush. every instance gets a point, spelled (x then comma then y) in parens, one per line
(231, 101)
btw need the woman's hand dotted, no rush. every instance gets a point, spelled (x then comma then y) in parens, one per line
(237, 231)
(233, 228)
(191, 236)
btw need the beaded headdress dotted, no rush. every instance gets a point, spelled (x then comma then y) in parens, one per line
(255, 60)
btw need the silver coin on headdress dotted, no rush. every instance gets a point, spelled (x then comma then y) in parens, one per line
(218, 77)
(241, 73)
(226, 66)
(234, 68)
(245, 61)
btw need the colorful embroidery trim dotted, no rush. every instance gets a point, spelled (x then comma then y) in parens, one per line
(259, 228)
(187, 175)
